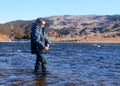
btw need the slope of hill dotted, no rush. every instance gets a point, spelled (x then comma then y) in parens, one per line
(69, 26)
(90, 26)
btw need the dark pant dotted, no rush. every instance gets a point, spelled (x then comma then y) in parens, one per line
(40, 62)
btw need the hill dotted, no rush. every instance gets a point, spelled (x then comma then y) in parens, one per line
(70, 26)
(88, 26)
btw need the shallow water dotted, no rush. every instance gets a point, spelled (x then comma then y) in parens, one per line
(69, 64)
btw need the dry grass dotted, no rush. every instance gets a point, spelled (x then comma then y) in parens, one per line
(89, 40)
(4, 38)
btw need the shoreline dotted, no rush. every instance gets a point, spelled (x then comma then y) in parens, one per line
(4, 38)
(87, 40)
(78, 40)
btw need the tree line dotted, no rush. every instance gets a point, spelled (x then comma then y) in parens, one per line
(15, 32)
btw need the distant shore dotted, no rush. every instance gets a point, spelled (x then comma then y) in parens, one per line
(87, 40)
(4, 38)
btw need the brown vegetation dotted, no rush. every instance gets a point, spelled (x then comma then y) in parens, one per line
(88, 40)
(4, 38)
(89, 28)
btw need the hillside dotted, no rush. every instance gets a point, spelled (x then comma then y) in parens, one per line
(88, 26)
(69, 26)
(4, 38)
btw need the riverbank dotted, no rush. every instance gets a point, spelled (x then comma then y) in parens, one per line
(4, 38)
(88, 40)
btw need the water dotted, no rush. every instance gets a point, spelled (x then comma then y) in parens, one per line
(69, 64)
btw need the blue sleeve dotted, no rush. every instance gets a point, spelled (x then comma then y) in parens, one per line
(47, 40)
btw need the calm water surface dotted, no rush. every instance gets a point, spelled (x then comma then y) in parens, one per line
(69, 64)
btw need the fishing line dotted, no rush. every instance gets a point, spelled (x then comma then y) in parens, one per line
(19, 52)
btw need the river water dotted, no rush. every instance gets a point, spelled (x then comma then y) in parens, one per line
(69, 64)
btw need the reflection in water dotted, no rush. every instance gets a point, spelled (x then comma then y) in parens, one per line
(40, 80)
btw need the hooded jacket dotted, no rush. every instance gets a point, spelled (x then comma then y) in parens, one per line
(38, 38)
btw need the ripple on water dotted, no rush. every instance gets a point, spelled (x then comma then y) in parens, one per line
(69, 64)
